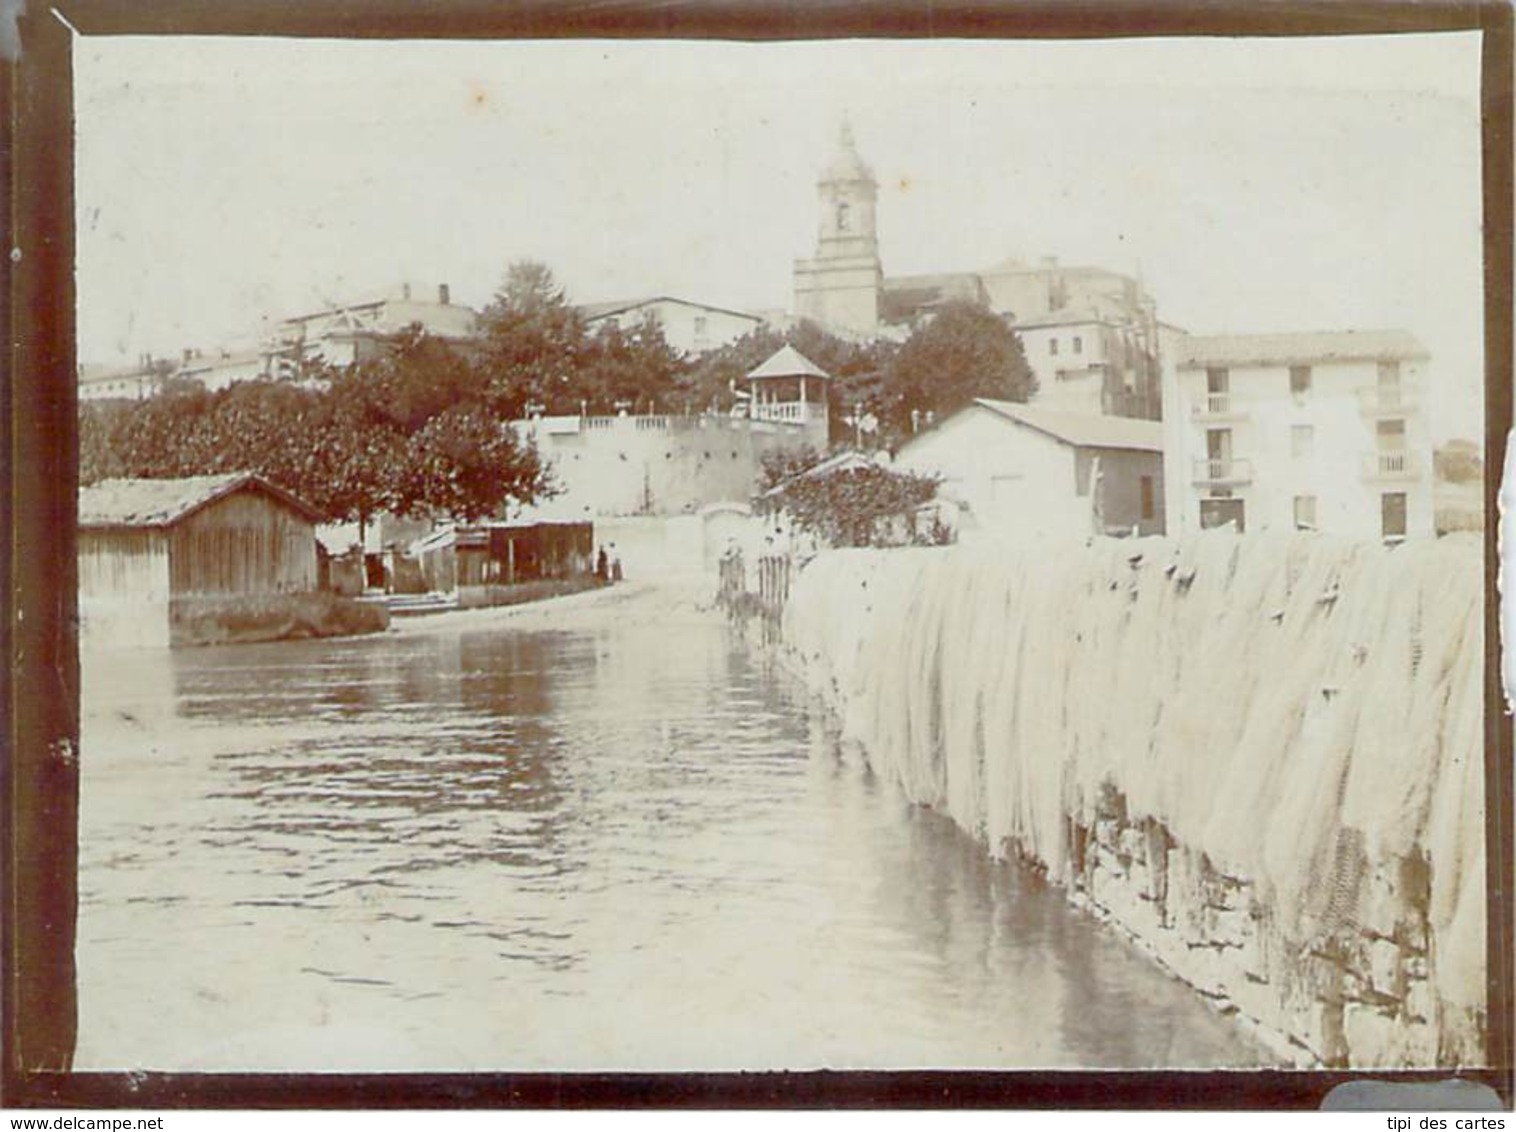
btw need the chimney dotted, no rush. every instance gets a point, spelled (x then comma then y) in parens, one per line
(444, 294)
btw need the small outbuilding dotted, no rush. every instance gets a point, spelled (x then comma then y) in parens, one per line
(475, 562)
(1027, 473)
(159, 556)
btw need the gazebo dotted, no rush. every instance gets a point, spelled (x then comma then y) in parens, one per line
(788, 387)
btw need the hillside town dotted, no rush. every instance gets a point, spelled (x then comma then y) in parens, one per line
(644, 557)
(1106, 420)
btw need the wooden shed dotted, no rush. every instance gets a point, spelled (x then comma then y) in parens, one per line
(456, 559)
(149, 548)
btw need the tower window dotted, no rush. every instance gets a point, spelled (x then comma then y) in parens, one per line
(842, 216)
(1053, 346)
(1078, 344)
(1300, 380)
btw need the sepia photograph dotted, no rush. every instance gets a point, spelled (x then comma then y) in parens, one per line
(693, 556)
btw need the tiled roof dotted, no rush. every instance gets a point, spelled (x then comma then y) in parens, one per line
(789, 362)
(1083, 430)
(1307, 346)
(162, 503)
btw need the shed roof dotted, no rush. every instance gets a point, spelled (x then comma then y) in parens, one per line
(1082, 430)
(162, 503)
(788, 362)
(845, 461)
(1305, 346)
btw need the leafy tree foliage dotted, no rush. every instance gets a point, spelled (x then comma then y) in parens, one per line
(965, 351)
(539, 354)
(779, 465)
(856, 369)
(409, 433)
(857, 506)
(534, 343)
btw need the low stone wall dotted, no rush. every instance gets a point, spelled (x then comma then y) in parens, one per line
(270, 617)
(484, 597)
(1260, 758)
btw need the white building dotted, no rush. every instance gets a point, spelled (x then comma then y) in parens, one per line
(669, 464)
(1090, 334)
(342, 334)
(689, 327)
(1322, 431)
(1027, 473)
(122, 383)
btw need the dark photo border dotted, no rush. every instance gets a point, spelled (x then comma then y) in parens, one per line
(39, 781)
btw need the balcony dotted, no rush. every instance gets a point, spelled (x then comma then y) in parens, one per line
(1391, 465)
(1386, 401)
(1218, 407)
(1223, 473)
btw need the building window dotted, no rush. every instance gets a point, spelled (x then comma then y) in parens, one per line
(1145, 484)
(700, 324)
(1218, 379)
(1305, 512)
(1300, 380)
(1302, 441)
(1053, 346)
(842, 217)
(1392, 514)
(1389, 374)
(1078, 344)
(1219, 512)
(1391, 435)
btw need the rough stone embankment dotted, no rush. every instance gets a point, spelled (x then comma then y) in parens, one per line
(1261, 758)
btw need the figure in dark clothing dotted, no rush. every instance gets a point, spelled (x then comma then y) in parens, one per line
(602, 567)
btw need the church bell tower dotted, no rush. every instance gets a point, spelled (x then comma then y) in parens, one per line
(840, 286)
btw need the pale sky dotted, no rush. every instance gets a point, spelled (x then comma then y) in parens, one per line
(1258, 185)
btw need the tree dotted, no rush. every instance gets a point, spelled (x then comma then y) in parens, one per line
(965, 351)
(409, 432)
(534, 343)
(634, 366)
(855, 369)
(863, 505)
(465, 464)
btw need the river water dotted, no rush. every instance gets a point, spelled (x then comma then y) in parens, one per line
(620, 837)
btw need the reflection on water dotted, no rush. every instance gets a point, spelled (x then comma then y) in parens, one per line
(623, 848)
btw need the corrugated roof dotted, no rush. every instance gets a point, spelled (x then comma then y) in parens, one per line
(788, 362)
(1305, 346)
(1083, 430)
(162, 503)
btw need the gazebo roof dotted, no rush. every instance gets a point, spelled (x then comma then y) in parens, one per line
(788, 362)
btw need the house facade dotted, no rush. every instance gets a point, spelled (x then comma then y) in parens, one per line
(343, 334)
(1026, 473)
(1317, 431)
(122, 383)
(688, 327)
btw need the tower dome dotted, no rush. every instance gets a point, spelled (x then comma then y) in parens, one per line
(846, 165)
(839, 286)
